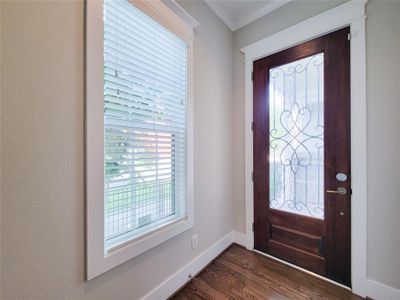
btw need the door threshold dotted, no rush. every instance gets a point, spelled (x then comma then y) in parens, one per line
(302, 269)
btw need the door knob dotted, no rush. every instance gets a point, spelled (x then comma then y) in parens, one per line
(340, 190)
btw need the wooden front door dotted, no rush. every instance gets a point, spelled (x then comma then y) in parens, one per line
(301, 131)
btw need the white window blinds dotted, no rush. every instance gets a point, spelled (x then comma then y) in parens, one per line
(145, 87)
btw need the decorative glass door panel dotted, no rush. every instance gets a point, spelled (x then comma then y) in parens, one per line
(296, 136)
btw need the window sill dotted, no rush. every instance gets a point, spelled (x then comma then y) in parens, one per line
(175, 226)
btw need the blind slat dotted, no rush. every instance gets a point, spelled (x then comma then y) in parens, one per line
(153, 113)
(146, 60)
(130, 81)
(140, 24)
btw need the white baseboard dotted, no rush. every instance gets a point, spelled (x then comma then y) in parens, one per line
(181, 277)
(239, 238)
(379, 291)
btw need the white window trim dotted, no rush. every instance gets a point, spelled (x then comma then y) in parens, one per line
(349, 14)
(175, 19)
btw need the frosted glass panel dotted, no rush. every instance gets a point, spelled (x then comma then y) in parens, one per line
(296, 137)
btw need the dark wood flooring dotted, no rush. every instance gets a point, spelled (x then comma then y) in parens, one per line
(242, 274)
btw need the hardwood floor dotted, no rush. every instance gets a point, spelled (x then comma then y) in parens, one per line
(242, 274)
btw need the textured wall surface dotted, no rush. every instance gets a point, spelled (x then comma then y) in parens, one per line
(383, 105)
(383, 141)
(43, 156)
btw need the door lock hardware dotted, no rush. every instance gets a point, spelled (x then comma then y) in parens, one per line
(340, 190)
(341, 177)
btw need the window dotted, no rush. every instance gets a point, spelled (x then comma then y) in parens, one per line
(144, 123)
(139, 128)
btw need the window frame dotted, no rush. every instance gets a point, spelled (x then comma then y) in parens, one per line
(175, 19)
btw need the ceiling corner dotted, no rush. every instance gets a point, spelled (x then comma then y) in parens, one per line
(247, 19)
(221, 13)
(235, 17)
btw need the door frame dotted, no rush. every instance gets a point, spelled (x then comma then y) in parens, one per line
(349, 14)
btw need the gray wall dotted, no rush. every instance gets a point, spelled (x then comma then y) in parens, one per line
(42, 180)
(383, 104)
(383, 134)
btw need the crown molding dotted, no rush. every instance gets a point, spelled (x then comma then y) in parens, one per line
(220, 12)
(247, 19)
(189, 20)
(260, 13)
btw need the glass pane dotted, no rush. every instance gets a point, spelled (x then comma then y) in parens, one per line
(296, 137)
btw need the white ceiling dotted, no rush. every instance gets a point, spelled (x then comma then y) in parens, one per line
(238, 13)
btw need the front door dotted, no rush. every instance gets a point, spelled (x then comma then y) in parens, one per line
(301, 134)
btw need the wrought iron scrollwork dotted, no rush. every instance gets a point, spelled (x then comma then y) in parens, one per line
(296, 136)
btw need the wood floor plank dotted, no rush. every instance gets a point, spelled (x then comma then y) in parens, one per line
(286, 275)
(200, 289)
(225, 280)
(256, 280)
(241, 274)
